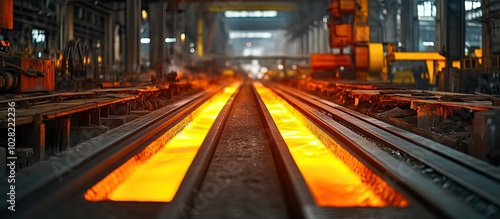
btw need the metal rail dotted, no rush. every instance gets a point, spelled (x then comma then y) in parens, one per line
(53, 180)
(183, 200)
(300, 200)
(463, 159)
(478, 182)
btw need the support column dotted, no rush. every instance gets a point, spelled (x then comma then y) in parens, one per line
(323, 39)
(390, 24)
(452, 37)
(157, 33)
(133, 26)
(65, 130)
(294, 46)
(409, 25)
(310, 40)
(108, 46)
(440, 26)
(35, 138)
(297, 46)
(303, 44)
(315, 40)
(66, 24)
(486, 34)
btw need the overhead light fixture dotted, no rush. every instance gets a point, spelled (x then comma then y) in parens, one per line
(246, 35)
(428, 43)
(145, 40)
(183, 37)
(256, 14)
(170, 40)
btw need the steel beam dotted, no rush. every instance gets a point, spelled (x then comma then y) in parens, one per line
(486, 35)
(390, 31)
(452, 39)
(157, 33)
(108, 46)
(133, 26)
(66, 24)
(409, 25)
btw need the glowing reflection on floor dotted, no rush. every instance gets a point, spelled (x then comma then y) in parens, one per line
(331, 181)
(155, 174)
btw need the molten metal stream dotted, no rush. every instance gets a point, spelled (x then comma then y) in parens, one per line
(155, 174)
(334, 181)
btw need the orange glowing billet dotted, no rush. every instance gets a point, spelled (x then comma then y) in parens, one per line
(155, 173)
(334, 177)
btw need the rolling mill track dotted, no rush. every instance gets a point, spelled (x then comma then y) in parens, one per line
(59, 181)
(245, 169)
(431, 170)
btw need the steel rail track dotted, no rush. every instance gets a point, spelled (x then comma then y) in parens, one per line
(54, 180)
(483, 182)
(465, 160)
(300, 202)
(299, 198)
(431, 195)
(181, 204)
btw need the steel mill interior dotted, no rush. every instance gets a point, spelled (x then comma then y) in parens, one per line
(249, 109)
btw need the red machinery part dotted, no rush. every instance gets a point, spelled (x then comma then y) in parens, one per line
(8, 81)
(330, 61)
(7, 14)
(29, 83)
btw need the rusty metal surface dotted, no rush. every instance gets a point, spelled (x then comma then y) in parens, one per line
(24, 97)
(436, 147)
(41, 185)
(437, 98)
(56, 109)
(7, 14)
(349, 138)
(34, 84)
(482, 181)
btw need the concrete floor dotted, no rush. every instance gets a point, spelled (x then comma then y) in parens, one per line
(242, 181)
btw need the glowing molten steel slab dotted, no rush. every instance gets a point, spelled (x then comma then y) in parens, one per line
(155, 174)
(334, 177)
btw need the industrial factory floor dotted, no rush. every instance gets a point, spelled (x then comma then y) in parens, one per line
(242, 181)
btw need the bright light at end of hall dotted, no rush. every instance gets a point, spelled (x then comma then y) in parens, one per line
(145, 40)
(237, 14)
(144, 14)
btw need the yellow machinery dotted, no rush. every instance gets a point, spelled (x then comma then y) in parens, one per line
(434, 62)
(349, 29)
